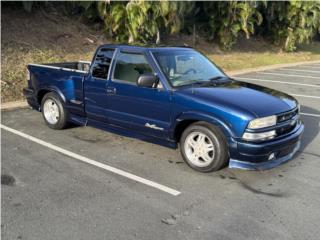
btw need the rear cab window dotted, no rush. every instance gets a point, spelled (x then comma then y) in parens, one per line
(102, 62)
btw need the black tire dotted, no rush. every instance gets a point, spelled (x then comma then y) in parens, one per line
(221, 153)
(62, 120)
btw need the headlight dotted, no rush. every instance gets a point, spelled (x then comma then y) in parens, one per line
(263, 122)
(259, 136)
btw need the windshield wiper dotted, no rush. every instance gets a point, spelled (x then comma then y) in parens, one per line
(191, 82)
(212, 80)
(216, 78)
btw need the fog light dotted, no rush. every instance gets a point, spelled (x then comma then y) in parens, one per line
(271, 156)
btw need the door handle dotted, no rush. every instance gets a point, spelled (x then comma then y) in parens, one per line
(111, 90)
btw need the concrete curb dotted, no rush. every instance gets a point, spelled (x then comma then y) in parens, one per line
(24, 104)
(14, 105)
(269, 67)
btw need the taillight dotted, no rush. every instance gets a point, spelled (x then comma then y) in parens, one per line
(28, 74)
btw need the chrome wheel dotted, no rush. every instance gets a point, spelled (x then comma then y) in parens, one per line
(199, 149)
(51, 111)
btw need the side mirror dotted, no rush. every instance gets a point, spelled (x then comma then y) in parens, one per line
(147, 80)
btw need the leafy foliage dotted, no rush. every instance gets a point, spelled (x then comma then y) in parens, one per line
(228, 19)
(142, 21)
(292, 22)
(286, 23)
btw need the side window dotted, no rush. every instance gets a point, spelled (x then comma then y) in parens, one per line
(130, 66)
(101, 63)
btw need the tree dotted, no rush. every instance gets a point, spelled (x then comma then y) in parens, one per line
(228, 19)
(286, 23)
(291, 23)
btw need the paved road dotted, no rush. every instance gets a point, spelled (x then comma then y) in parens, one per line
(47, 195)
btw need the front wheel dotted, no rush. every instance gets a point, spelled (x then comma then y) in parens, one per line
(53, 111)
(203, 147)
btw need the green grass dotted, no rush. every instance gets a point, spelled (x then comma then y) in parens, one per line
(241, 60)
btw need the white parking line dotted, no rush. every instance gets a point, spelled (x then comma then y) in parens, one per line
(305, 96)
(298, 70)
(290, 75)
(273, 81)
(95, 163)
(314, 67)
(311, 114)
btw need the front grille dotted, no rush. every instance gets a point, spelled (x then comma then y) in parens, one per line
(288, 121)
(286, 151)
(286, 129)
(287, 115)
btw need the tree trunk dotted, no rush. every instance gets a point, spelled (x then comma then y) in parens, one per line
(131, 40)
(158, 40)
(194, 35)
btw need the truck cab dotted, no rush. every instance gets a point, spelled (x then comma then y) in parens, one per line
(171, 96)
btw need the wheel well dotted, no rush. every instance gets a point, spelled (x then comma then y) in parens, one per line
(181, 127)
(186, 123)
(41, 94)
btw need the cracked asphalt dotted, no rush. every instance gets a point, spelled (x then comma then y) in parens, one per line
(47, 195)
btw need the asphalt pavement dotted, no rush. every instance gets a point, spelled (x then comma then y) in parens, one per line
(84, 183)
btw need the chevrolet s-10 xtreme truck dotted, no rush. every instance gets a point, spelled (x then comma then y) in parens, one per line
(173, 96)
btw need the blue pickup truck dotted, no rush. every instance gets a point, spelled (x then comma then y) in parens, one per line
(173, 96)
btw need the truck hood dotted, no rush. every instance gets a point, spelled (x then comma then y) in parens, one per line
(258, 100)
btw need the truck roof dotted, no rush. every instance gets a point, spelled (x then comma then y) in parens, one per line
(145, 47)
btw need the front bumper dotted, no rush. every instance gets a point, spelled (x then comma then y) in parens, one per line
(255, 156)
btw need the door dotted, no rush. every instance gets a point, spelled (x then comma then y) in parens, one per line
(95, 86)
(146, 110)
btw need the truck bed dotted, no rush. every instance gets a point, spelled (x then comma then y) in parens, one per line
(81, 66)
(65, 78)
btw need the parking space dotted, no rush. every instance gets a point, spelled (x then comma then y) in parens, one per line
(48, 195)
(302, 71)
(275, 79)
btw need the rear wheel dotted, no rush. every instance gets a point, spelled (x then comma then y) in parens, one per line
(53, 111)
(203, 147)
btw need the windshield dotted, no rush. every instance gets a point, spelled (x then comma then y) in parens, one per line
(183, 67)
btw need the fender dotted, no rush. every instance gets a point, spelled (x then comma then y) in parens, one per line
(53, 89)
(200, 116)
